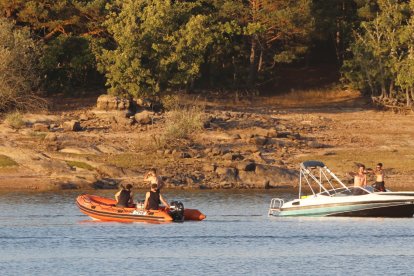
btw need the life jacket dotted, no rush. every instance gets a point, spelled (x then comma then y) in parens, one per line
(154, 200)
(124, 198)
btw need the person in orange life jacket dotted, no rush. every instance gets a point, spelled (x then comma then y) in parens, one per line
(124, 197)
(153, 198)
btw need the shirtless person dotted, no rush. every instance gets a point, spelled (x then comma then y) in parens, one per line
(154, 178)
(360, 179)
(379, 178)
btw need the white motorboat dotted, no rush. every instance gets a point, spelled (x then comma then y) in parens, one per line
(329, 196)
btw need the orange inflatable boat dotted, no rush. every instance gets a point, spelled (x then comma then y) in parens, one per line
(102, 208)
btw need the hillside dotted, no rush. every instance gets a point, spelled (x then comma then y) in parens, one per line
(247, 142)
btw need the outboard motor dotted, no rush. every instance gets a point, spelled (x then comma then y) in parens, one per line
(177, 211)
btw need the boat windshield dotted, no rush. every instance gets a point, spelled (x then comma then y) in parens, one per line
(318, 176)
(351, 191)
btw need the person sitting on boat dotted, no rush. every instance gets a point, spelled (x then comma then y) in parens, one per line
(379, 178)
(124, 197)
(153, 199)
(153, 177)
(360, 179)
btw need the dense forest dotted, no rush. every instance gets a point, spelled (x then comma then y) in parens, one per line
(150, 47)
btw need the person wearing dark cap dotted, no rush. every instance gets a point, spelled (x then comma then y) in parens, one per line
(124, 197)
(153, 198)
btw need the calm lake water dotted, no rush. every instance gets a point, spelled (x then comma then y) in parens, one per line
(45, 234)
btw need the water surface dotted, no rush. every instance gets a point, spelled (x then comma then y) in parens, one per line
(45, 234)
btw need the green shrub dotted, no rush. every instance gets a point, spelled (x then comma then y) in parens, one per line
(170, 102)
(15, 120)
(69, 63)
(19, 71)
(159, 45)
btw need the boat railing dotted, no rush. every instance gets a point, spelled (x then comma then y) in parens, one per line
(275, 205)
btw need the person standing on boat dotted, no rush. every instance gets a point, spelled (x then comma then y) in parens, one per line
(153, 199)
(360, 179)
(379, 178)
(124, 197)
(154, 178)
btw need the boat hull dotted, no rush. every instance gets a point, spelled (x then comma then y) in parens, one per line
(398, 211)
(372, 209)
(104, 209)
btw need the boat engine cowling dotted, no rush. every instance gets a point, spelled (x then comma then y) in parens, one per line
(177, 211)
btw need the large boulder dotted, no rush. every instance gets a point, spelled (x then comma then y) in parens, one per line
(111, 171)
(250, 178)
(258, 140)
(72, 125)
(247, 166)
(209, 167)
(264, 132)
(315, 144)
(40, 127)
(266, 176)
(79, 150)
(142, 102)
(108, 102)
(227, 174)
(144, 117)
(51, 137)
(121, 121)
(276, 176)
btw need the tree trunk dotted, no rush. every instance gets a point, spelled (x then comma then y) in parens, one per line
(260, 66)
(391, 90)
(339, 34)
(253, 63)
(190, 86)
(233, 62)
(383, 92)
(408, 97)
(371, 86)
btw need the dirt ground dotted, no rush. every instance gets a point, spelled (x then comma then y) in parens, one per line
(275, 133)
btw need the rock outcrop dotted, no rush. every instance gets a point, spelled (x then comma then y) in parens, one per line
(108, 102)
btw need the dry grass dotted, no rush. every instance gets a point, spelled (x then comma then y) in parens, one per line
(295, 98)
(133, 161)
(183, 122)
(15, 120)
(302, 98)
(79, 164)
(171, 102)
(38, 135)
(6, 161)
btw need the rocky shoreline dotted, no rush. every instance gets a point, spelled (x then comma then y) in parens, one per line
(243, 147)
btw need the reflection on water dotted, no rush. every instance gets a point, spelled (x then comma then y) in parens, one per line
(44, 234)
